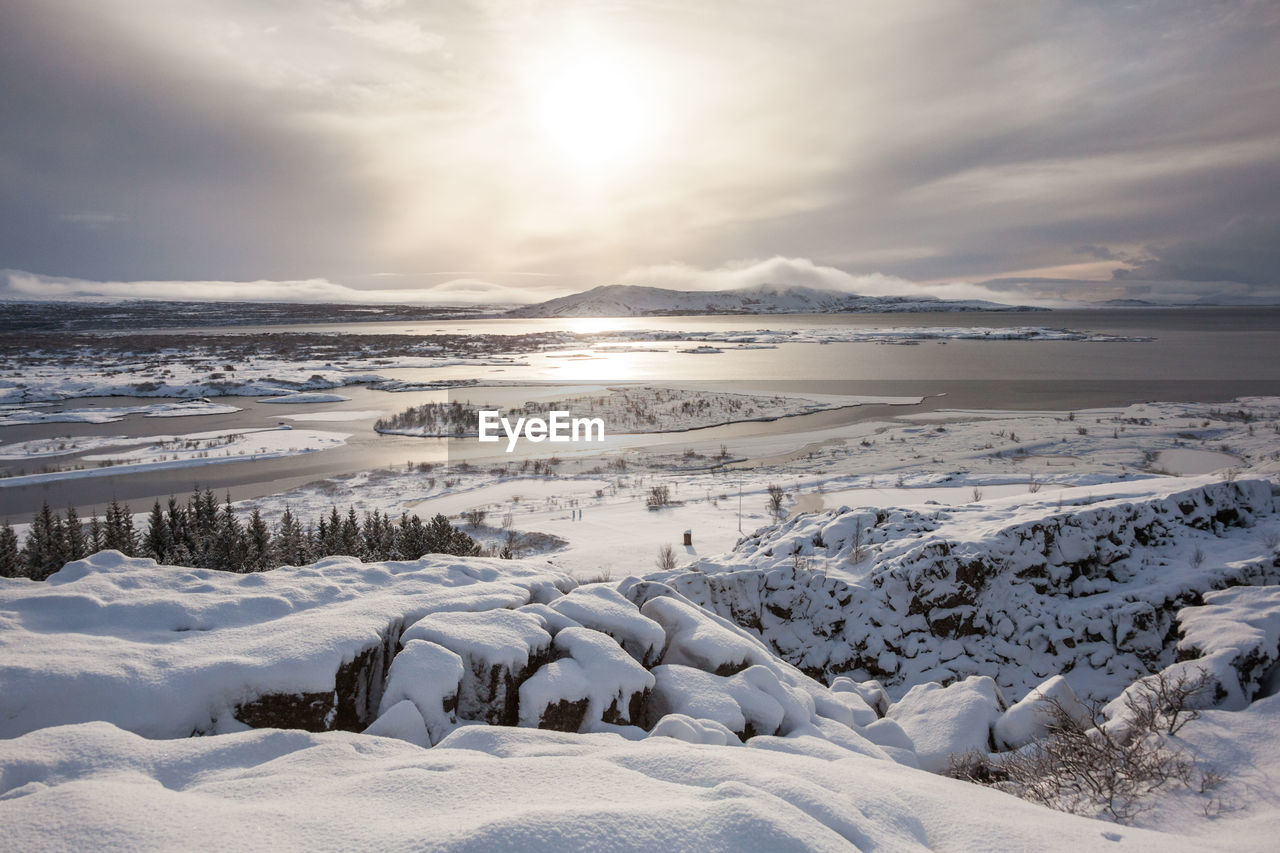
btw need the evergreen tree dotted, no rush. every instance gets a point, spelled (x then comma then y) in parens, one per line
(95, 534)
(74, 546)
(158, 541)
(411, 538)
(290, 542)
(330, 535)
(229, 548)
(181, 538)
(258, 539)
(350, 543)
(118, 532)
(11, 565)
(42, 552)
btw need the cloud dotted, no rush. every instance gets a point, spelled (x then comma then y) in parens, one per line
(806, 273)
(1245, 250)
(295, 140)
(29, 286)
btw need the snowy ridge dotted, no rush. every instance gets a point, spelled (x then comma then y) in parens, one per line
(910, 596)
(619, 300)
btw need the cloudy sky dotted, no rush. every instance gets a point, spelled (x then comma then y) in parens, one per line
(506, 149)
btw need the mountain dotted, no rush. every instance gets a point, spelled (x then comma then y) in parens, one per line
(622, 300)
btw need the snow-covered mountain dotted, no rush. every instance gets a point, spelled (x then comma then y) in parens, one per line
(624, 300)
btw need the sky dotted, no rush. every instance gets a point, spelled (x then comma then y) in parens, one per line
(514, 150)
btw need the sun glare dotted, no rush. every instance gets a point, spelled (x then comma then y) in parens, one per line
(594, 109)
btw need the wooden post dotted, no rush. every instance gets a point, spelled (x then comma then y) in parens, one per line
(688, 537)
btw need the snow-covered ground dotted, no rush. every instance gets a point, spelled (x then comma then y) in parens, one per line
(120, 455)
(803, 685)
(635, 409)
(15, 415)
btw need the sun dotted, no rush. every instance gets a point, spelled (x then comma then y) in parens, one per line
(595, 109)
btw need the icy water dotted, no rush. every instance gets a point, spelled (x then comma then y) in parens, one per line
(1206, 355)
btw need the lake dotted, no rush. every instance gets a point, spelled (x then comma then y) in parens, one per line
(1200, 354)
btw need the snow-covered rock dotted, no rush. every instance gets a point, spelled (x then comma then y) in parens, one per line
(1234, 636)
(1017, 591)
(1029, 718)
(943, 722)
(500, 649)
(690, 730)
(430, 677)
(402, 721)
(605, 609)
(696, 638)
(166, 651)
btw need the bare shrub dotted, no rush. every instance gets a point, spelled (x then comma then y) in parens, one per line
(659, 496)
(1197, 557)
(977, 495)
(1096, 769)
(776, 495)
(666, 558)
(474, 517)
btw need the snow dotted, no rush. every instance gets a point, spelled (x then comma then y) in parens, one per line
(559, 681)
(427, 676)
(14, 415)
(497, 648)
(1028, 719)
(692, 730)
(603, 608)
(946, 723)
(94, 786)
(164, 452)
(1016, 589)
(166, 651)
(696, 638)
(613, 676)
(1235, 636)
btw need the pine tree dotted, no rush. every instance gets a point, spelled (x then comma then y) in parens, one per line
(411, 538)
(74, 546)
(290, 542)
(95, 534)
(203, 512)
(258, 538)
(349, 542)
(229, 547)
(182, 536)
(158, 541)
(11, 565)
(42, 552)
(118, 533)
(330, 535)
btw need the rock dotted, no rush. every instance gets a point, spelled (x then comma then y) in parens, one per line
(948, 721)
(1028, 719)
(500, 649)
(429, 676)
(604, 609)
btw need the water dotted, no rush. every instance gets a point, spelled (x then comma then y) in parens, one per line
(1207, 355)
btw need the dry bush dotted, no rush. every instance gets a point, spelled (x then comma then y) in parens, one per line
(666, 558)
(1103, 770)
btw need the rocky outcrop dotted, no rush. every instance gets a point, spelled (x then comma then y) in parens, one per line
(935, 597)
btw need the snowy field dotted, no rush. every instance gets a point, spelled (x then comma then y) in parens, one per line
(632, 409)
(121, 455)
(923, 591)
